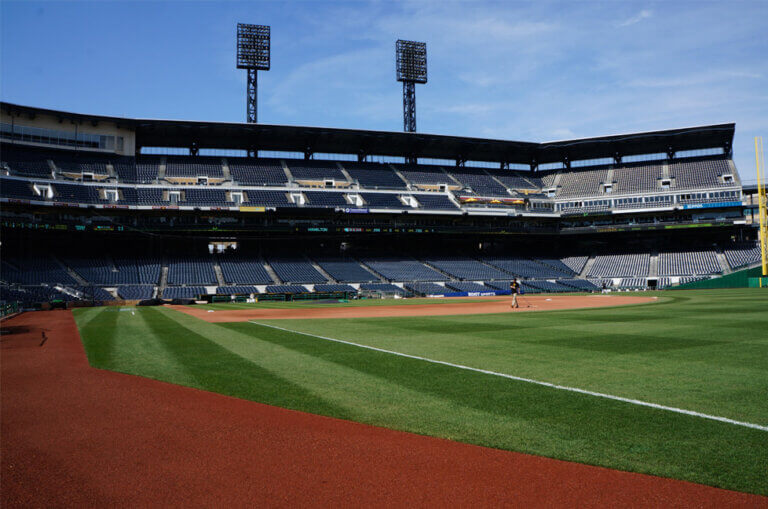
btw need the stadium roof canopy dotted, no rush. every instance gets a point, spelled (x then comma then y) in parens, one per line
(225, 135)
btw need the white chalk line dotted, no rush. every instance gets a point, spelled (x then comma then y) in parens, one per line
(532, 381)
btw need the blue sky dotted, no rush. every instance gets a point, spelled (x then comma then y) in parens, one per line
(510, 70)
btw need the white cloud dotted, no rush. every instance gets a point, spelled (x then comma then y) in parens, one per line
(637, 18)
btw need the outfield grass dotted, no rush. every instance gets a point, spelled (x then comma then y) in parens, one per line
(703, 351)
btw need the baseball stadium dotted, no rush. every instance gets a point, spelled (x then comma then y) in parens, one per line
(207, 313)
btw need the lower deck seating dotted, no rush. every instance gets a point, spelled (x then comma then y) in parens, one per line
(383, 288)
(427, 288)
(135, 292)
(290, 289)
(236, 290)
(468, 286)
(332, 288)
(184, 292)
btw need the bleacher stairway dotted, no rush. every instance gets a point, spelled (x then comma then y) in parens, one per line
(322, 271)
(587, 267)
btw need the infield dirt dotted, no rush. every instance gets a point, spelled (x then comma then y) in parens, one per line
(480, 306)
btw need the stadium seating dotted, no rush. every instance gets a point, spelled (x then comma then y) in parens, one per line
(184, 292)
(580, 284)
(295, 270)
(242, 269)
(697, 174)
(422, 174)
(632, 284)
(678, 263)
(26, 162)
(427, 288)
(193, 167)
(466, 268)
(289, 289)
(582, 182)
(382, 201)
(382, 287)
(268, 198)
(637, 178)
(374, 176)
(190, 270)
(435, 202)
(468, 286)
(34, 270)
(325, 199)
(315, 171)
(29, 295)
(344, 270)
(257, 172)
(236, 290)
(135, 292)
(479, 181)
(205, 197)
(740, 255)
(401, 269)
(147, 168)
(524, 268)
(333, 288)
(624, 264)
(18, 189)
(514, 180)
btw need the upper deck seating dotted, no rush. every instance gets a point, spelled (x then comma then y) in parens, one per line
(147, 168)
(315, 170)
(513, 180)
(582, 182)
(637, 178)
(479, 181)
(193, 166)
(257, 172)
(697, 174)
(375, 176)
(423, 174)
(25, 162)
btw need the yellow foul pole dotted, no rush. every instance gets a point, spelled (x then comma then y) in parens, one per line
(759, 161)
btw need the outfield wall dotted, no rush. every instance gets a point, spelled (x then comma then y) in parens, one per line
(740, 279)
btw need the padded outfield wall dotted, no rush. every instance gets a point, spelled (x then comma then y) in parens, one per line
(741, 279)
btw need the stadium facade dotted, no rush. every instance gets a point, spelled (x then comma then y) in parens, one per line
(93, 209)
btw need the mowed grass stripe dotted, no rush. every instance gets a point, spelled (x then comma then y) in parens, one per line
(663, 353)
(512, 415)
(531, 381)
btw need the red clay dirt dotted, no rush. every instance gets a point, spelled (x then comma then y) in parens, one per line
(480, 305)
(74, 436)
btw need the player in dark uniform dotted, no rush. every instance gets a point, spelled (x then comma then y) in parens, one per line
(514, 287)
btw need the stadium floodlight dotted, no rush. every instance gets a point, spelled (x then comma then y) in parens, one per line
(253, 54)
(411, 58)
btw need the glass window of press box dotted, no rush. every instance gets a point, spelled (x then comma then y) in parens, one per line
(62, 138)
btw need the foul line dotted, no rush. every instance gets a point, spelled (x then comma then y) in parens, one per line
(531, 381)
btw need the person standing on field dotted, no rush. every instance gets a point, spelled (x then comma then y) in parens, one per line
(514, 288)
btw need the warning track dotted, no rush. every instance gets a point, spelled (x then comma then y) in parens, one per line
(74, 435)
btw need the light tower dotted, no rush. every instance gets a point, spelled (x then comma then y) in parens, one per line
(411, 57)
(253, 55)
